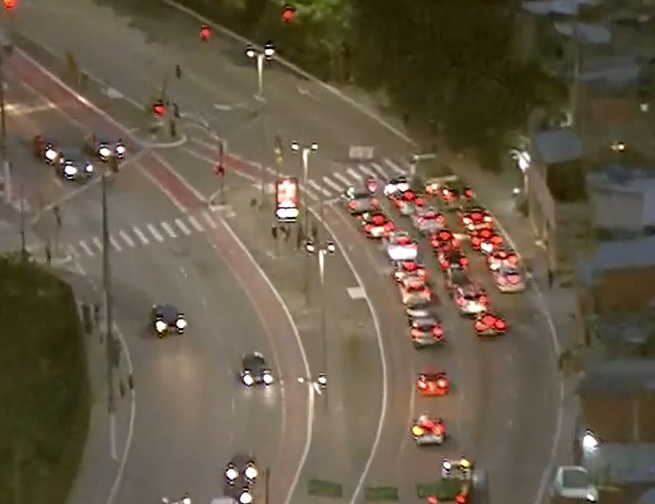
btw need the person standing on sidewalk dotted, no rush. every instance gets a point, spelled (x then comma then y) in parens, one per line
(551, 278)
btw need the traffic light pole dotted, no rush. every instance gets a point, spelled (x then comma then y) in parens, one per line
(110, 348)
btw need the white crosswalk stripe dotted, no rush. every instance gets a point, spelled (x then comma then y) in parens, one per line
(169, 230)
(139, 234)
(208, 219)
(343, 179)
(329, 182)
(195, 224)
(310, 194)
(320, 189)
(395, 167)
(379, 169)
(126, 238)
(114, 243)
(98, 244)
(183, 227)
(86, 249)
(156, 234)
(367, 170)
(354, 174)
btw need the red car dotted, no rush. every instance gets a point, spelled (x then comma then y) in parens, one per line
(404, 268)
(490, 324)
(502, 257)
(376, 224)
(486, 240)
(475, 218)
(425, 332)
(433, 383)
(407, 197)
(443, 239)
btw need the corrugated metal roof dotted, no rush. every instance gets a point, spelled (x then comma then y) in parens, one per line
(566, 7)
(557, 146)
(619, 376)
(616, 463)
(616, 177)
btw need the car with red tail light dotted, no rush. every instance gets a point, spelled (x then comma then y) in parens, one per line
(376, 224)
(403, 268)
(399, 246)
(502, 256)
(486, 240)
(412, 286)
(443, 239)
(489, 323)
(428, 430)
(474, 217)
(433, 383)
(452, 258)
(428, 220)
(470, 299)
(509, 279)
(359, 201)
(426, 332)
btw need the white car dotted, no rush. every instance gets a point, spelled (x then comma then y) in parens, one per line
(428, 220)
(575, 483)
(509, 279)
(395, 185)
(413, 286)
(471, 300)
(399, 246)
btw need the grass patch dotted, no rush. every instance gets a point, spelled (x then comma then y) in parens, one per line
(44, 386)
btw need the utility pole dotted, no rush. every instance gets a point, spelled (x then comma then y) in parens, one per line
(109, 304)
(4, 154)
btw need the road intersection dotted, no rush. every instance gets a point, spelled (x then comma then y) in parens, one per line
(494, 406)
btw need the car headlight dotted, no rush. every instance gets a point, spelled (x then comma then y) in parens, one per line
(104, 151)
(186, 500)
(51, 154)
(160, 326)
(120, 149)
(247, 380)
(89, 168)
(446, 465)
(180, 323)
(251, 472)
(245, 498)
(231, 473)
(268, 379)
(70, 170)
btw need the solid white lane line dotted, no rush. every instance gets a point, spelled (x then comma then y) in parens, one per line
(156, 235)
(195, 224)
(139, 234)
(169, 230)
(183, 227)
(126, 238)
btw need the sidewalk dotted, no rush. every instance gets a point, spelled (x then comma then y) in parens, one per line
(105, 442)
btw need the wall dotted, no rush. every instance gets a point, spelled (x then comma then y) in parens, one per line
(612, 416)
(624, 291)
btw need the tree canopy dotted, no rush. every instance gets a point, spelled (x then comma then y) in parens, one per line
(440, 62)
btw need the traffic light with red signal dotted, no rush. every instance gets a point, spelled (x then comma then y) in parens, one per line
(158, 108)
(288, 14)
(9, 4)
(205, 32)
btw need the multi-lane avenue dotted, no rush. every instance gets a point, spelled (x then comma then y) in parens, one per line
(503, 410)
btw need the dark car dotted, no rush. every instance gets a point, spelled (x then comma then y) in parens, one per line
(255, 370)
(167, 319)
(74, 166)
(457, 278)
(418, 308)
(241, 467)
(360, 201)
(104, 148)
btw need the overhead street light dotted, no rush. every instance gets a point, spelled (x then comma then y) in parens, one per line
(260, 56)
(305, 151)
(322, 250)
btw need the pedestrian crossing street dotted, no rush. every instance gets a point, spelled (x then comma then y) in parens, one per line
(145, 234)
(331, 186)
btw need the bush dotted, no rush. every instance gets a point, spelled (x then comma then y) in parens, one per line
(45, 391)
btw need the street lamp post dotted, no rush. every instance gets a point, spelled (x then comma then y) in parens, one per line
(305, 151)
(322, 251)
(260, 56)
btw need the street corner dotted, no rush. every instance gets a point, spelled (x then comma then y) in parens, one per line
(159, 134)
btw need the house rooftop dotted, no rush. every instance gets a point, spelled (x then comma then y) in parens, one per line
(565, 7)
(619, 178)
(625, 330)
(617, 255)
(619, 376)
(621, 463)
(557, 146)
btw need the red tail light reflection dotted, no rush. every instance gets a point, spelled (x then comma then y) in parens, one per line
(438, 429)
(514, 279)
(375, 202)
(421, 384)
(442, 383)
(500, 325)
(460, 499)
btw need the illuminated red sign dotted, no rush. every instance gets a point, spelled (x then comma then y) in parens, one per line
(286, 199)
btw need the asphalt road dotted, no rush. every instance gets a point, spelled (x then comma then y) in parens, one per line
(503, 408)
(193, 413)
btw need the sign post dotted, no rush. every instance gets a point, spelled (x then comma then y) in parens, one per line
(286, 199)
